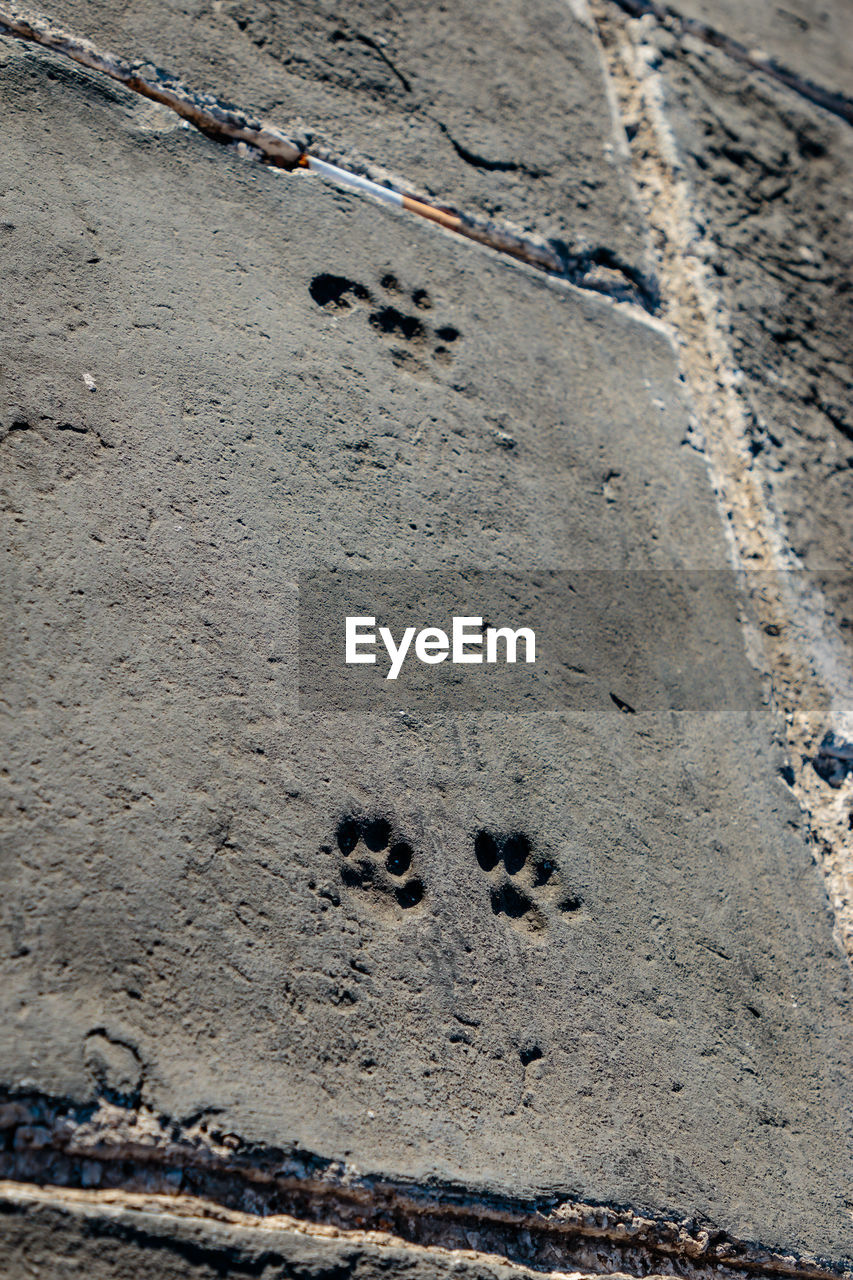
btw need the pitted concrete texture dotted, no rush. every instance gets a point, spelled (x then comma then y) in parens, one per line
(181, 912)
(500, 111)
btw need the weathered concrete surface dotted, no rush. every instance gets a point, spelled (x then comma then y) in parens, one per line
(773, 176)
(813, 41)
(747, 187)
(175, 908)
(501, 111)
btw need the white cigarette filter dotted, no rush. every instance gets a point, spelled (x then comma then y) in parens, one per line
(345, 179)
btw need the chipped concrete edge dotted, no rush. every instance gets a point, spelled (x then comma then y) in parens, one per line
(123, 1154)
(219, 1230)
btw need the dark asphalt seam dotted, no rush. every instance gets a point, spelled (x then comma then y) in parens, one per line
(229, 124)
(837, 104)
(120, 1146)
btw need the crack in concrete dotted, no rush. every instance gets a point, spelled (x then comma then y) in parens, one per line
(226, 123)
(482, 162)
(115, 1152)
(369, 43)
(837, 104)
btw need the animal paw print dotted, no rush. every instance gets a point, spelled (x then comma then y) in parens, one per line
(375, 861)
(523, 884)
(421, 339)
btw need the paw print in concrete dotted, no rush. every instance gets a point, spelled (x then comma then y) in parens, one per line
(524, 886)
(396, 313)
(336, 293)
(376, 861)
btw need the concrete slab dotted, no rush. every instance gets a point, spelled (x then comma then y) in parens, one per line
(182, 932)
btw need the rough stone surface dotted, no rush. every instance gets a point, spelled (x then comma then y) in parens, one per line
(740, 179)
(773, 177)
